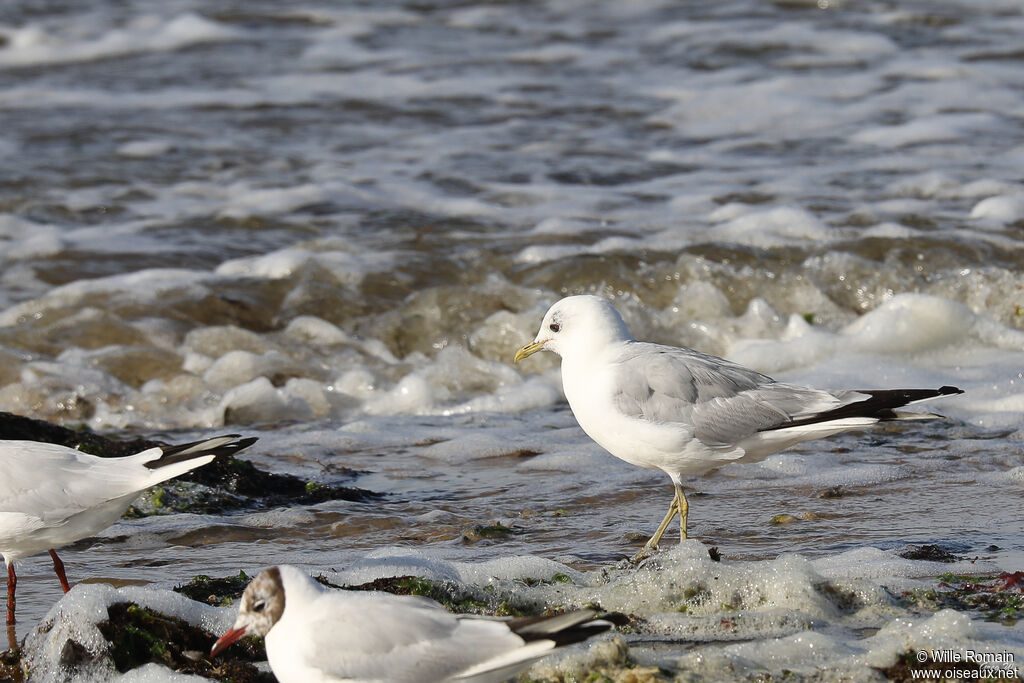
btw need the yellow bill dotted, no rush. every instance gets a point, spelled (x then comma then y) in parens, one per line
(528, 350)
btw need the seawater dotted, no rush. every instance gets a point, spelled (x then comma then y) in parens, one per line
(331, 225)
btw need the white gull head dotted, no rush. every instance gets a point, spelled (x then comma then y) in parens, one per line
(578, 325)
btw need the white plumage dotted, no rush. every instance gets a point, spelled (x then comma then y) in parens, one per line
(52, 495)
(316, 634)
(685, 412)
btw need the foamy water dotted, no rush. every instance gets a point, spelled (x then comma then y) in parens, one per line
(332, 227)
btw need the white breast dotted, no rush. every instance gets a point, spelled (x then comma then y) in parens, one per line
(589, 388)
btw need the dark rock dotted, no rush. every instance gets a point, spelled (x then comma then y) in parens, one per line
(14, 427)
(74, 654)
(138, 636)
(907, 669)
(216, 592)
(487, 531)
(10, 666)
(832, 492)
(930, 552)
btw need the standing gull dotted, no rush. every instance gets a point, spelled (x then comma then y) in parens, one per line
(685, 412)
(52, 495)
(316, 634)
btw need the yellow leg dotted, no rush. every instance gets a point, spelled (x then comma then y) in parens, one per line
(684, 511)
(673, 509)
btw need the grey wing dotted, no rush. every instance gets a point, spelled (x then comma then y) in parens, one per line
(53, 482)
(402, 639)
(720, 401)
(37, 479)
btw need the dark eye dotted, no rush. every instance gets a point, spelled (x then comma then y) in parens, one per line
(258, 606)
(554, 327)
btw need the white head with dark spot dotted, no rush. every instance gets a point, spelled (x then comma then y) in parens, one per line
(580, 323)
(261, 607)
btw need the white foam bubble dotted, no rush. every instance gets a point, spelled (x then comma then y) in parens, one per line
(311, 392)
(276, 519)
(390, 562)
(912, 338)
(534, 392)
(773, 227)
(800, 652)
(144, 149)
(23, 239)
(939, 128)
(1003, 208)
(154, 673)
(413, 394)
(33, 44)
(542, 254)
(906, 634)
(276, 265)
(260, 401)
(239, 367)
(873, 563)
(315, 330)
(245, 201)
(217, 340)
(141, 287)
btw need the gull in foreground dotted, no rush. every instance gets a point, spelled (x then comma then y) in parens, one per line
(317, 634)
(52, 495)
(686, 412)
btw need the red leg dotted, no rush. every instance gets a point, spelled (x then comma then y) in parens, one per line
(58, 567)
(12, 583)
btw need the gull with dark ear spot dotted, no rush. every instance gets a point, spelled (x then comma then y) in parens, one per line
(686, 412)
(313, 633)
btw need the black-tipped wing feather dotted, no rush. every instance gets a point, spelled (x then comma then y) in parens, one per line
(562, 629)
(880, 404)
(229, 444)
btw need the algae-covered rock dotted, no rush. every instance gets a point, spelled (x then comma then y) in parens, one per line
(138, 636)
(217, 592)
(458, 598)
(495, 531)
(10, 666)
(996, 599)
(96, 631)
(929, 552)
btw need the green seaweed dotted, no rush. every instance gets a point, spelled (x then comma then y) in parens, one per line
(454, 598)
(982, 595)
(138, 636)
(217, 592)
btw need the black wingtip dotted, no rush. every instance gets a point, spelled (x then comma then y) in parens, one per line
(586, 625)
(880, 405)
(183, 452)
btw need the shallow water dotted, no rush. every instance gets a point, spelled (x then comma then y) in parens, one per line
(331, 226)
